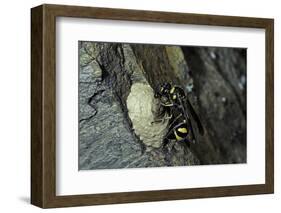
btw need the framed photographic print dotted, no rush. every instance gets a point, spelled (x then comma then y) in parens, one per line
(136, 106)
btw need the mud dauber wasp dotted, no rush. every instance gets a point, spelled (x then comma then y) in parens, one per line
(180, 113)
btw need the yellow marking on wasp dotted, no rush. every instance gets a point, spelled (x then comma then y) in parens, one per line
(182, 130)
(172, 90)
(161, 89)
(174, 97)
(177, 136)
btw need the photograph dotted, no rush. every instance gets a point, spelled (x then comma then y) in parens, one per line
(141, 105)
(161, 105)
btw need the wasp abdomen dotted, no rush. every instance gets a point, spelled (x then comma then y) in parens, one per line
(180, 132)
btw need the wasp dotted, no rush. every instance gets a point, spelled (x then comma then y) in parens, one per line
(180, 113)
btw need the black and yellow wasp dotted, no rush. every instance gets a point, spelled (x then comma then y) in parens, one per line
(180, 114)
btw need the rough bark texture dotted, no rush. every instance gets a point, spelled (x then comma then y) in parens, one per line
(116, 83)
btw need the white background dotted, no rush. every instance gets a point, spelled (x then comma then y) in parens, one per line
(71, 181)
(15, 106)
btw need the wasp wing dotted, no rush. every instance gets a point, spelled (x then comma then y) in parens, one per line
(194, 115)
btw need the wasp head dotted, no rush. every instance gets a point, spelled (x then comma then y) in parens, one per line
(162, 90)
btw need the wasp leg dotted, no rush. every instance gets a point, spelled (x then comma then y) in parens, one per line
(185, 141)
(168, 139)
(167, 105)
(165, 143)
(174, 121)
(171, 131)
(161, 120)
